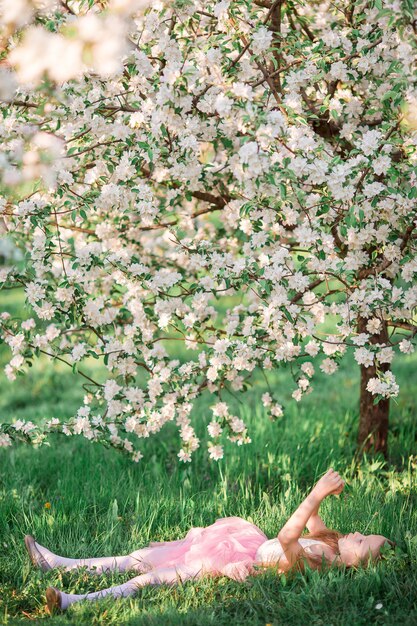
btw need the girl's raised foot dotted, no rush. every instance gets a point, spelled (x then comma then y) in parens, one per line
(35, 556)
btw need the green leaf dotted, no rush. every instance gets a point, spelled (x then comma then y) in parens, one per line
(288, 316)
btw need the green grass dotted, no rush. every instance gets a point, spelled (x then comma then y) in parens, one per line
(102, 503)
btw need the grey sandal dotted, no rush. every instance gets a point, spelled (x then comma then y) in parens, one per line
(53, 599)
(35, 556)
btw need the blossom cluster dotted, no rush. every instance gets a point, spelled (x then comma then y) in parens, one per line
(210, 173)
(83, 38)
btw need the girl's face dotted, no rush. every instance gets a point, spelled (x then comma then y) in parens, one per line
(356, 548)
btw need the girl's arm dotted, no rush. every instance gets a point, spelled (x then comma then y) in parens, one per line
(291, 531)
(315, 524)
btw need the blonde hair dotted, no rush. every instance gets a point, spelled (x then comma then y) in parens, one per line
(315, 561)
(331, 537)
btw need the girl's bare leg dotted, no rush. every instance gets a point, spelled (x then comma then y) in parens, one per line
(135, 561)
(158, 576)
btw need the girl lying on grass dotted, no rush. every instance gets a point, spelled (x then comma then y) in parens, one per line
(230, 547)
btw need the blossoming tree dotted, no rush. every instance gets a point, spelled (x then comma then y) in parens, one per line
(226, 174)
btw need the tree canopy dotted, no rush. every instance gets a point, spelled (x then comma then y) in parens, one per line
(225, 174)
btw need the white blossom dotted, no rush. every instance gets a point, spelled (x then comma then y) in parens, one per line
(266, 399)
(214, 429)
(328, 366)
(364, 357)
(5, 440)
(216, 452)
(261, 40)
(406, 346)
(370, 141)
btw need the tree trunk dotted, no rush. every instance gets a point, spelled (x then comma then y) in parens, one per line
(373, 418)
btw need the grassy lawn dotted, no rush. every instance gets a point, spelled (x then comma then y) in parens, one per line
(101, 503)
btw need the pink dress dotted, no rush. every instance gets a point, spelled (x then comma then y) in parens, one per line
(227, 547)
